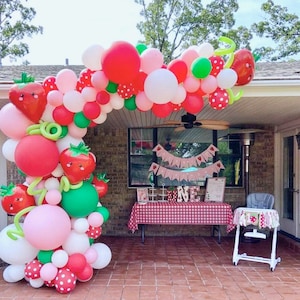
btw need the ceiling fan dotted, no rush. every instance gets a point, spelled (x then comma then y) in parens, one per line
(189, 121)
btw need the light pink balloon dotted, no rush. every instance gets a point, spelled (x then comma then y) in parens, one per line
(91, 57)
(66, 80)
(48, 271)
(91, 255)
(191, 84)
(99, 80)
(53, 197)
(55, 98)
(209, 84)
(46, 227)
(142, 102)
(89, 94)
(151, 59)
(189, 55)
(101, 119)
(95, 219)
(107, 108)
(180, 95)
(13, 123)
(73, 101)
(116, 101)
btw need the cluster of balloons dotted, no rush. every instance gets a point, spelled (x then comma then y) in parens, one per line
(45, 123)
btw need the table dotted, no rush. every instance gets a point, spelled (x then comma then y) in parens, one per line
(181, 213)
(260, 218)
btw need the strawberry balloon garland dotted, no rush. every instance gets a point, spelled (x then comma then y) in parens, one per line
(56, 228)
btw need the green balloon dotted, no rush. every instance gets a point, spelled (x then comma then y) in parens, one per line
(201, 67)
(141, 48)
(112, 87)
(44, 256)
(130, 103)
(64, 131)
(103, 211)
(79, 203)
(81, 121)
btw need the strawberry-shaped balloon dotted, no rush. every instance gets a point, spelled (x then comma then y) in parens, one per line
(100, 183)
(15, 198)
(77, 162)
(244, 65)
(29, 97)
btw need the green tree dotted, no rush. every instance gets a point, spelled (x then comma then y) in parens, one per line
(15, 19)
(173, 25)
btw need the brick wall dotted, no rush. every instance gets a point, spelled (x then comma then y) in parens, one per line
(110, 148)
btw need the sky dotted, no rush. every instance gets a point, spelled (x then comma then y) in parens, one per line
(72, 26)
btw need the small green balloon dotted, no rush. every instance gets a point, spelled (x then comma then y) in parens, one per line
(201, 67)
(79, 203)
(130, 103)
(81, 121)
(104, 212)
(141, 48)
(44, 256)
(64, 131)
(112, 87)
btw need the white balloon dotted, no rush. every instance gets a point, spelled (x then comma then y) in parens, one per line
(52, 184)
(104, 255)
(116, 101)
(101, 118)
(161, 86)
(76, 243)
(59, 258)
(81, 225)
(107, 108)
(14, 273)
(48, 113)
(66, 141)
(75, 131)
(206, 50)
(15, 252)
(91, 57)
(8, 149)
(58, 171)
(227, 78)
(36, 283)
(180, 95)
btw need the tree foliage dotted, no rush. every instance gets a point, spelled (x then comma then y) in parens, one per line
(173, 25)
(15, 24)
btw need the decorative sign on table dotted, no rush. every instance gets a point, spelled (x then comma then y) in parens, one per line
(142, 195)
(215, 188)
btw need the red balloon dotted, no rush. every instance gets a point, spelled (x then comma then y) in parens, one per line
(85, 77)
(49, 84)
(76, 263)
(193, 103)
(179, 68)
(103, 97)
(36, 156)
(91, 110)
(217, 64)
(65, 281)
(219, 99)
(162, 110)
(139, 81)
(86, 274)
(126, 91)
(62, 116)
(121, 62)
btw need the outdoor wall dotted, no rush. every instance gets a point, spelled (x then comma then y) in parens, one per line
(110, 147)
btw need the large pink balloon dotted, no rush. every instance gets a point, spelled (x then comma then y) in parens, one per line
(47, 227)
(121, 62)
(151, 59)
(13, 122)
(66, 80)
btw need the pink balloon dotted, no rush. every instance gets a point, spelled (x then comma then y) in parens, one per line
(55, 98)
(209, 84)
(91, 255)
(48, 271)
(151, 59)
(189, 55)
(53, 197)
(95, 219)
(46, 227)
(99, 80)
(142, 102)
(75, 131)
(13, 123)
(191, 84)
(66, 80)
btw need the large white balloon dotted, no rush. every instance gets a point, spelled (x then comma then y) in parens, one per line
(104, 255)
(76, 243)
(161, 86)
(91, 57)
(227, 78)
(14, 273)
(15, 252)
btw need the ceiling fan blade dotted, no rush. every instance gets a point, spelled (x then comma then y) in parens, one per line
(213, 122)
(215, 127)
(180, 128)
(246, 130)
(173, 122)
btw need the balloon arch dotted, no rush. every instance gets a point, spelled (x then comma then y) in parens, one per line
(53, 239)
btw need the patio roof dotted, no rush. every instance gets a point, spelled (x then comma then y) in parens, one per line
(271, 99)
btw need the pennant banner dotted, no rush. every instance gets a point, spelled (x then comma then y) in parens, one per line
(182, 163)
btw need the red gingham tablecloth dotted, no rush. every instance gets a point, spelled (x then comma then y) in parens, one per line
(186, 213)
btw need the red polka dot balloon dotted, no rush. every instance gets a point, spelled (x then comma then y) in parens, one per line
(94, 232)
(219, 99)
(126, 91)
(217, 63)
(32, 269)
(49, 84)
(65, 281)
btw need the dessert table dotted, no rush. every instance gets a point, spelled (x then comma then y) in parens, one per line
(181, 213)
(259, 218)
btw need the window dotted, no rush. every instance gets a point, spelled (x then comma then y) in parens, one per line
(183, 144)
